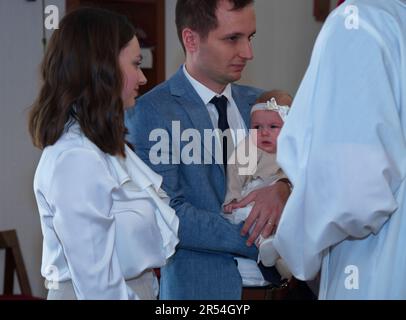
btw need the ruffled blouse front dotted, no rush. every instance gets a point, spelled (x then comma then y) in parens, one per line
(104, 218)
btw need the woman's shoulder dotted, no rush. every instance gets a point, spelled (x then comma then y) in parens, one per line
(72, 146)
(73, 142)
(72, 153)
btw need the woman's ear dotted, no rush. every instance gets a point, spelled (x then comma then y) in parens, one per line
(190, 39)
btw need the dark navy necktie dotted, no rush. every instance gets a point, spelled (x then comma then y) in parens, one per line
(221, 105)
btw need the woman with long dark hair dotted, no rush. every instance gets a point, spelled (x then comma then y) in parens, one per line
(105, 220)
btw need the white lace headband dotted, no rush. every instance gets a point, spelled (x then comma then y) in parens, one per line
(272, 105)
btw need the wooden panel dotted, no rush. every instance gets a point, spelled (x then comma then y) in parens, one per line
(321, 9)
(14, 262)
(147, 15)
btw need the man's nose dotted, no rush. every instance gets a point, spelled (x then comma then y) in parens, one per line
(246, 51)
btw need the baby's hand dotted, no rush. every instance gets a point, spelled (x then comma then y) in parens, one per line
(228, 208)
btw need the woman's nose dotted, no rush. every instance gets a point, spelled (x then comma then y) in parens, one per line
(142, 80)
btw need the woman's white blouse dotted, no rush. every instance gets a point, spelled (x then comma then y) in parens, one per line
(104, 218)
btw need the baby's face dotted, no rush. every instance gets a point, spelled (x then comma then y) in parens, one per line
(268, 125)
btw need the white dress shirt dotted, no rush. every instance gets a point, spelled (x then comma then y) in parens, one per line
(104, 218)
(235, 120)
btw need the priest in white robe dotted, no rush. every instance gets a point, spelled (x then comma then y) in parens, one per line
(343, 147)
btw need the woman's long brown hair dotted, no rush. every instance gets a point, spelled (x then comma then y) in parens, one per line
(82, 80)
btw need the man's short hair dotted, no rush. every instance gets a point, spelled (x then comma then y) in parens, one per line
(200, 15)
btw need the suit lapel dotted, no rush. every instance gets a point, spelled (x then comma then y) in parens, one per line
(194, 107)
(244, 102)
(197, 112)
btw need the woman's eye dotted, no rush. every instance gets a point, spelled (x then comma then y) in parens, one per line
(137, 64)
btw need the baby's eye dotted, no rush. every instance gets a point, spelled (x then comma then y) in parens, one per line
(257, 127)
(275, 126)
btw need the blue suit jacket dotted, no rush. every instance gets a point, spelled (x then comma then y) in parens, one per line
(203, 266)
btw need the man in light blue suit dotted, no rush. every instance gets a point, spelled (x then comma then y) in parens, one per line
(216, 37)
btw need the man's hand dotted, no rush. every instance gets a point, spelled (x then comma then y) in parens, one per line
(267, 210)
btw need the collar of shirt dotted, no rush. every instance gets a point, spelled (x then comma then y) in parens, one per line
(234, 117)
(205, 93)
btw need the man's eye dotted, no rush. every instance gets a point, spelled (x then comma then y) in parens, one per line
(233, 38)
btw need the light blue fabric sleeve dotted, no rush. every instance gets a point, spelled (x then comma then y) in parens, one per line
(343, 145)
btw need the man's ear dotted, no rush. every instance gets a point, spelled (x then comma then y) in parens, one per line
(190, 39)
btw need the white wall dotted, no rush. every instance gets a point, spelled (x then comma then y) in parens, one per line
(20, 55)
(286, 31)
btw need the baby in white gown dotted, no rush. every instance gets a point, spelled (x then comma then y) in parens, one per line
(267, 118)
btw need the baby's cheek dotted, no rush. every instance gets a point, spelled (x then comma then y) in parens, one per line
(275, 135)
(254, 137)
